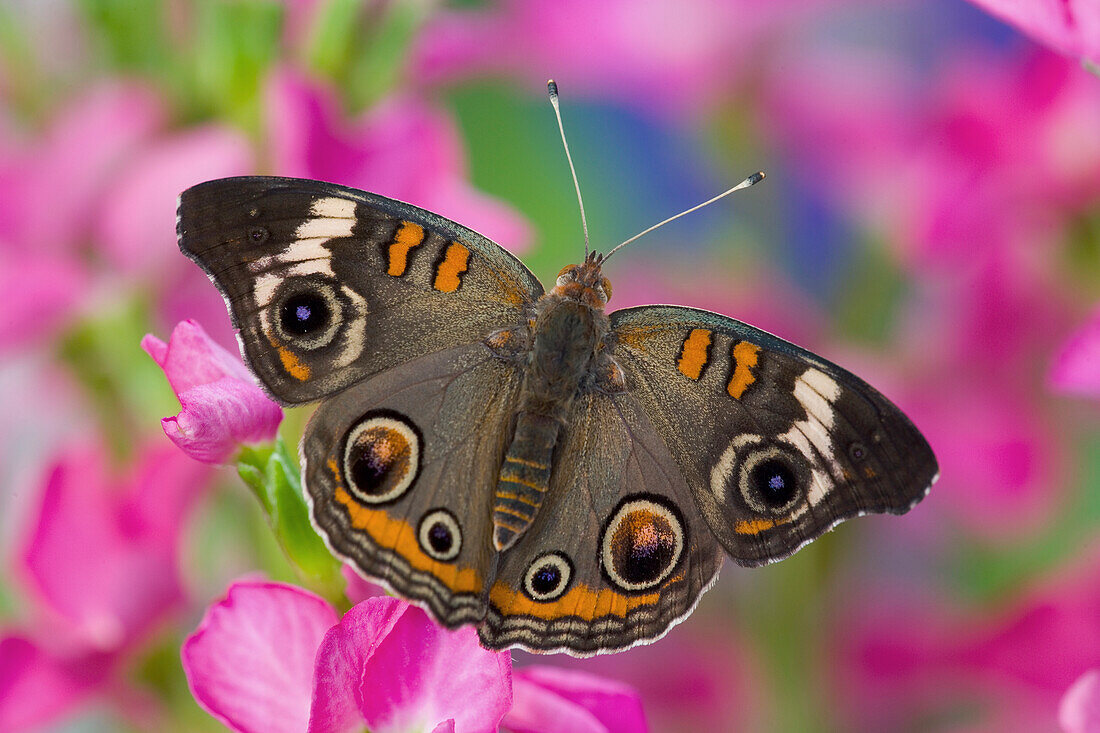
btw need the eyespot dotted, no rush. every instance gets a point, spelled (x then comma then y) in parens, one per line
(772, 481)
(440, 536)
(382, 457)
(548, 577)
(857, 451)
(258, 235)
(567, 275)
(642, 542)
(308, 314)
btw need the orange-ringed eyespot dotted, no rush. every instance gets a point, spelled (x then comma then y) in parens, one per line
(642, 542)
(381, 457)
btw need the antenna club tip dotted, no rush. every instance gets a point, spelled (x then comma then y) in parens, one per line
(552, 87)
(756, 178)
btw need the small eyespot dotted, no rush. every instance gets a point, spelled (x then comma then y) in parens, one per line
(857, 452)
(258, 235)
(254, 212)
(307, 313)
(548, 577)
(440, 536)
(304, 314)
(381, 457)
(771, 482)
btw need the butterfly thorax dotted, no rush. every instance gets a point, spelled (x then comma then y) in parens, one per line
(567, 336)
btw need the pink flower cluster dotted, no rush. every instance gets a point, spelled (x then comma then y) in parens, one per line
(272, 657)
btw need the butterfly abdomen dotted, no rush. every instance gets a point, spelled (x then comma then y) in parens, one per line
(524, 477)
(567, 334)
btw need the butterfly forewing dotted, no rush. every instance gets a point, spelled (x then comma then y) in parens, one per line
(328, 284)
(778, 445)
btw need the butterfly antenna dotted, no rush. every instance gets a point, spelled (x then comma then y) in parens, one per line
(552, 87)
(750, 181)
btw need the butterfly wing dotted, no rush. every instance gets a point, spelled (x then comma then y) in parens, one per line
(329, 284)
(776, 444)
(400, 471)
(617, 553)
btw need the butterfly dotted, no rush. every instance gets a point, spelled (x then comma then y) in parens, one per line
(564, 478)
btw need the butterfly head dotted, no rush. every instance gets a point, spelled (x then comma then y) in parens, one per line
(584, 282)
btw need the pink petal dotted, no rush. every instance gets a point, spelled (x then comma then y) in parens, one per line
(422, 674)
(137, 222)
(347, 648)
(104, 556)
(250, 662)
(403, 148)
(218, 417)
(1077, 366)
(1079, 711)
(49, 193)
(357, 587)
(387, 664)
(43, 292)
(1069, 26)
(191, 358)
(222, 405)
(37, 687)
(552, 700)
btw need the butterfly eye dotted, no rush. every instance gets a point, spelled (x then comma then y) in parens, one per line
(567, 275)
(606, 285)
(548, 577)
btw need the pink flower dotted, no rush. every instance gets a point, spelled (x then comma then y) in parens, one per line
(104, 174)
(401, 148)
(902, 654)
(676, 56)
(1079, 711)
(1076, 368)
(1069, 26)
(274, 657)
(553, 700)
(102, 562)
(989, 152)
(222, 405)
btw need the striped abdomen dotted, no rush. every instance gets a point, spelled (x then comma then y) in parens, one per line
(524, 477)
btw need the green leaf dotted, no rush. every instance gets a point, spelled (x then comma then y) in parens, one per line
(236, 43)
(271, 472)
(363, 46)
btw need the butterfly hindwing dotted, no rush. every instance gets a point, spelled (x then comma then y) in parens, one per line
(618, 552)
(329, 284)
(400, 470)
(777, 444)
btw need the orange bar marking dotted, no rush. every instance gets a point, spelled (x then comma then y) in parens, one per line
(745, 358)
(293, 365)
(756, 526)
(580, 601)
(448, 275)
(409, 235)
(695, 353)
(399, 537)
